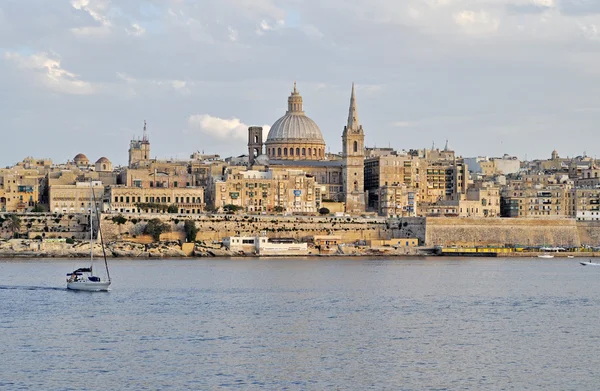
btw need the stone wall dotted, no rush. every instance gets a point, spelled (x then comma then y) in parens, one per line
(501, 232)
(215, 228)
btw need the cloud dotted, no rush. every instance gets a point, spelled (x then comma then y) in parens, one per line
(219, 128)
(96, 9)
(49, 72)
(136, 30)
(476, 22)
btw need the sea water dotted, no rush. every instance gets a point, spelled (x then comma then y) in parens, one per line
(303, 324)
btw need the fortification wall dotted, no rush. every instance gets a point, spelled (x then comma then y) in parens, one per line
(215, 228)
(501, 232)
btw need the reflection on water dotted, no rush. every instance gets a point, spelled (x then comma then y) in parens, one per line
(303, 324)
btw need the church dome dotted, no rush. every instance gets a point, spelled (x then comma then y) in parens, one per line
(80, 158)
(295, 136)
(103, 160)
(295, 126)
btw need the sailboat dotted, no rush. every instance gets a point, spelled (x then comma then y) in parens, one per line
(83, 279)
(589, 263)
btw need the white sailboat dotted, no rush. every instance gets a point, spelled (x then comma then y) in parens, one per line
(589, 263)
(83, 279)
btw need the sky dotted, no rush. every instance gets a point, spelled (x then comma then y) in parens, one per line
(490, 76)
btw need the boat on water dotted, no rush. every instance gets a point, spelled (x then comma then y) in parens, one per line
(86, 278)
(570, 256)
(545, 256)
(589, 263)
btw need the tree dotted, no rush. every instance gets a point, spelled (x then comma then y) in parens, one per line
(13, 223)
(230, 208)
(119, 220)
(155, 228)
(323, 211)
(278, 209)
(190, 230)
(172, 209)
(38, 209)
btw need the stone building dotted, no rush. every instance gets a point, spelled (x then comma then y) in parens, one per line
(397, 201)
(19, 189)
(75, 198)
(133, 199)
(583, 203)
(273, 190)
(535, 202)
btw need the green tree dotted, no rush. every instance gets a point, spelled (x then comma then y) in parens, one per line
(155, 228)
(38, 208)
(190, 230)
(119, 220)
(230, 208)
(323, 211)
(172, 209)
(278, 209)
(13, 223)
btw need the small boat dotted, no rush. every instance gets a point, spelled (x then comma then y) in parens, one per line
(545, 256)
(571, 256)
(84, 279)
(589, 263)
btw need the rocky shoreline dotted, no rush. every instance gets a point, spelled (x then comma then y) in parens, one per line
(31, 248)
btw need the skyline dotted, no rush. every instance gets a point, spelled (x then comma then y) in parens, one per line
(492, 76)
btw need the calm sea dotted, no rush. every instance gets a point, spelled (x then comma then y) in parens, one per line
(303, 324)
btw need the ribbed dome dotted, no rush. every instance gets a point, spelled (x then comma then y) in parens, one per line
(295, 126)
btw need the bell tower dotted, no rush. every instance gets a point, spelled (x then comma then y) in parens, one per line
(353, 155)
(255, 143)
(139, 150)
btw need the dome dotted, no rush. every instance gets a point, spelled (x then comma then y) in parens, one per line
(80, 158)
(295, 127)
(102, 160)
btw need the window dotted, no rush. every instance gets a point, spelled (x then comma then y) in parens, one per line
(303, 151)
(355, 146)
(278, 151)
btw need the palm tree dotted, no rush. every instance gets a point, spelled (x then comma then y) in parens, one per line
(13, 223)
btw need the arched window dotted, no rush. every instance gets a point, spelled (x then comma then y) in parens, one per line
(356, 146)
(291, 151)
(279, 151)
(297, 151)
(256, 139)
(284, 151)
(303, 151)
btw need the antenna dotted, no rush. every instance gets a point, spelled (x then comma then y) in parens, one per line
(145, 133)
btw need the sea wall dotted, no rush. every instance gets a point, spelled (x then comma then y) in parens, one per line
(507, 232)
(216, 227)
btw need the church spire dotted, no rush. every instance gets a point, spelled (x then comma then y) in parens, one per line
(353, 123)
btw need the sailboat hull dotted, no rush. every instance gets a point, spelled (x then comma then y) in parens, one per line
(92, 286)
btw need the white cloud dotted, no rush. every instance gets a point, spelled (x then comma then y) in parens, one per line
(136, 30)
(479, 22)
(96, 9)
(233, 34)
(219, 128)
(49, 72)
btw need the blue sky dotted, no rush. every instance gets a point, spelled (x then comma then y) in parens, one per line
(492, 76)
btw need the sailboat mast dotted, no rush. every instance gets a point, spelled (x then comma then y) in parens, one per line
(91, 228)
(101, 238)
